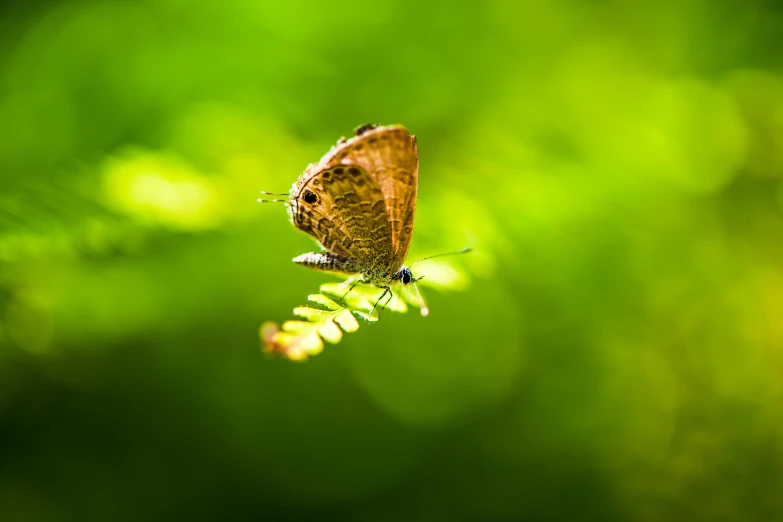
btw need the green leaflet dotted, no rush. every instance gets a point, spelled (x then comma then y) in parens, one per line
(347, 321)
(335, 315)
(323, 301)
(329, 331)
(333, 312)
(311, 314)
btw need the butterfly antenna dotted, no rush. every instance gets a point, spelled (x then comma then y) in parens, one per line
(272, 200)
(463, 251)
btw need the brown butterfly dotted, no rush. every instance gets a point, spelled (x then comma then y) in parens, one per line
(359, 203)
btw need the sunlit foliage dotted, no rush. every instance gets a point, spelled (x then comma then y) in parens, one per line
(616, 165)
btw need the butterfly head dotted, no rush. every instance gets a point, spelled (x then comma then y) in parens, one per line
(405, 276)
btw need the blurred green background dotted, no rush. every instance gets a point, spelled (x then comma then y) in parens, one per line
(617, 166)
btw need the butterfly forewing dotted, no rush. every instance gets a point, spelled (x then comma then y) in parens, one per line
(390, 156)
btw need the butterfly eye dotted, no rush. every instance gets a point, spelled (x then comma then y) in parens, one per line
(406, 276)
(310, 197)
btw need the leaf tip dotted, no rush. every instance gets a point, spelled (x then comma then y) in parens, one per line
(295, 346)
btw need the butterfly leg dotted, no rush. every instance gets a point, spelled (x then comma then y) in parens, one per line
(391, 296)
(386, 290)
(353, 285)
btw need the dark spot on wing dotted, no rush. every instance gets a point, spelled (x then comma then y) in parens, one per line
(310, 197)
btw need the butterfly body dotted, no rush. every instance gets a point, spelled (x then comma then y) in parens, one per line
(359, 203)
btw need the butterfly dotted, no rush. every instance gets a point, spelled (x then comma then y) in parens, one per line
(359, 203)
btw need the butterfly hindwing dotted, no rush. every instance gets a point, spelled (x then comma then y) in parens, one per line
(344, 209)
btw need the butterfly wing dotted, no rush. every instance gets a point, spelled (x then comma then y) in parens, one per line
(343, 208)
(390, 156)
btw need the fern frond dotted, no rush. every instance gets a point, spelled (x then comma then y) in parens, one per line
(337, 310)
